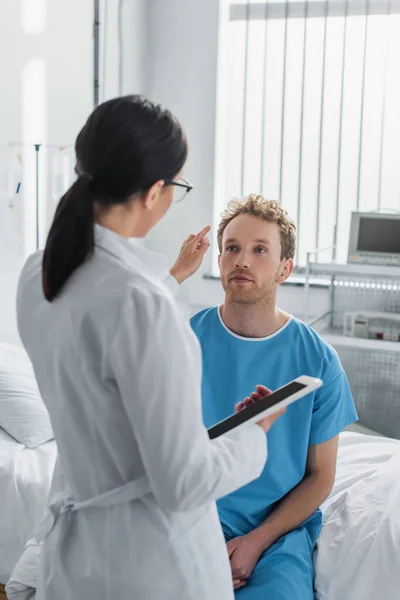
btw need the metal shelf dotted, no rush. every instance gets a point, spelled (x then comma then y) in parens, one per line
(354, 269)
(336, 338)
(372, 366)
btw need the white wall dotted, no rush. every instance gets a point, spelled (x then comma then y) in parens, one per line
(183, 37)
(36, 110)
(169, 51)
(134, 48)
(183, 46)
(46, 70)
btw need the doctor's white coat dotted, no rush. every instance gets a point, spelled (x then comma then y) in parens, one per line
(120, 372)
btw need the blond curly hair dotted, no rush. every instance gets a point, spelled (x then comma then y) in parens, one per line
(269, 210)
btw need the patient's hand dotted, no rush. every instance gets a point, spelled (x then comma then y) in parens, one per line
(260, 393)
(191, 255)
(244, 553)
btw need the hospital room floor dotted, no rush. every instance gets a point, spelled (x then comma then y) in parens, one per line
(357, 428)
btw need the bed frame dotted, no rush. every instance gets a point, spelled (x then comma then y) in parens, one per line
(2, 592)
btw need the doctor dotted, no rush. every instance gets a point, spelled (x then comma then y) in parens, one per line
(120, 372)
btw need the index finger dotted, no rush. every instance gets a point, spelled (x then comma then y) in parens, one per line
(262, 390)
(202, 233)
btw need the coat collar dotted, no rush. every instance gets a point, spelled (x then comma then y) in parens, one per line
(130, 252)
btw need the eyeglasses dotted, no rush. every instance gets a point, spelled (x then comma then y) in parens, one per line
(182, 188)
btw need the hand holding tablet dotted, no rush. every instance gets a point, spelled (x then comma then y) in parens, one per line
(259, 407)
(260, 393)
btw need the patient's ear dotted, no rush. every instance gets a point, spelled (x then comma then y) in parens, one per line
(285, 271)
(219, 261)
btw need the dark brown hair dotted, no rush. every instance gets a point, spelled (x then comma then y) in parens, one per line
(126, 145)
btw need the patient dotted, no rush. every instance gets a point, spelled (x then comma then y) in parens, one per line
(271, 525)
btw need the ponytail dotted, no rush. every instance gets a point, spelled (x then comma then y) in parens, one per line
(126, 145)
(71, 237)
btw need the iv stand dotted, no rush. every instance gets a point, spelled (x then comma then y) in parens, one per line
(37, 151)
(96, 86)
(96, 52)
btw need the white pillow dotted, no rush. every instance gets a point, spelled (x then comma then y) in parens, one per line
(22, 411)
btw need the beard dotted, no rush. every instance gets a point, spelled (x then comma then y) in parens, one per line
(252, 293)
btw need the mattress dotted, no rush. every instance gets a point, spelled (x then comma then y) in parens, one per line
(358, 549)
(25, 477)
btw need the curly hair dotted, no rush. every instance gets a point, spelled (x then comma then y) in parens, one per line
(269, 210)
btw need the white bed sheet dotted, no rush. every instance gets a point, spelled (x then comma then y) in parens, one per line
(358, 556)
(25, 478)
(358, 552)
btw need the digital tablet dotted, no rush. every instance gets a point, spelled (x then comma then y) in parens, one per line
(282, 397)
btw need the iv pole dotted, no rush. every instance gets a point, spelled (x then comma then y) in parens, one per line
(96, 86)
(37, 150)
(96, 52)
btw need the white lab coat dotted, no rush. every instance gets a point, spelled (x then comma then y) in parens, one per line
(120, 372)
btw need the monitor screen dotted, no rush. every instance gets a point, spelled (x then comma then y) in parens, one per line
(379, 235)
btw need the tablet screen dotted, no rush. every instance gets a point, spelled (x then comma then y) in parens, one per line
(255, 409)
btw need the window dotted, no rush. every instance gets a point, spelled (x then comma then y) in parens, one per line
(310, 115)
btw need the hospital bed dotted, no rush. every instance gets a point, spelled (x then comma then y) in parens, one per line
(26, 466)
(358, 552)
(25, 477)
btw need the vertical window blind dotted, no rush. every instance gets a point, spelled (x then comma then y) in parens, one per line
(311, 112)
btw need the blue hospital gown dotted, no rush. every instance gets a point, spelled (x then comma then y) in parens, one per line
(232, 367)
